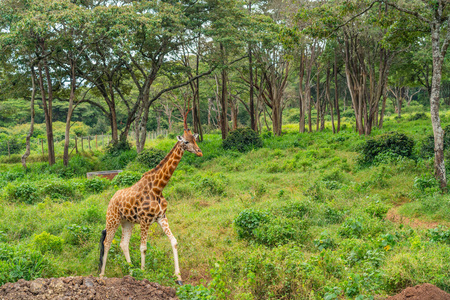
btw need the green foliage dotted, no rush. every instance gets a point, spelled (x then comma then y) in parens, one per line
(151, 157)
(427, 148)
(25, 192)
(242, 140)
(77, 234)
(126, 178)
(96, 184)
(17, 262)
(46, 242)
(57, 189)
(280, 231)
(211, 184)
(439, 234)
(393, 142)
(325, 241)
(248, 220)
(195, 292)
(352, 228)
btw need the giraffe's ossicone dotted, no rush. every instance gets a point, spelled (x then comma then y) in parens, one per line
(143, 204)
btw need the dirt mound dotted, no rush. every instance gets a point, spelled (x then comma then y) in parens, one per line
(86, 288)
(424, 291)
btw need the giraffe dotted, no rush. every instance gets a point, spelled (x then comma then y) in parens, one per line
(144, 204)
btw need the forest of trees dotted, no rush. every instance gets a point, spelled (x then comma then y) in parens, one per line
(128, 65)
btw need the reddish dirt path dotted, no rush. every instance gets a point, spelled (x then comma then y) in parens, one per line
(86, 288)
(424, 291)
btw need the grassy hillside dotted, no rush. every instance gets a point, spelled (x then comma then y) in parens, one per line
(300, 218)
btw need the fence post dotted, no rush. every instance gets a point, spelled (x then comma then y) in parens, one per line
(76, 144)
(96, 147)
(89, 142)
(9, 152)
(82, 145)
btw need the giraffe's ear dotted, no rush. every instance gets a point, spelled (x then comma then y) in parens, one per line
(195, 135)
(180, 138)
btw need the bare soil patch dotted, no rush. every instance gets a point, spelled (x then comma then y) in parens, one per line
(393, 216)
(69, 288)
(424, 291)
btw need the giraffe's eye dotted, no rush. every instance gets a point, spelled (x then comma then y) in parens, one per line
(186, 142)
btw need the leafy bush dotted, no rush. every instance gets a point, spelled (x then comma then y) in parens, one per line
(427, 148)
(294, 209)
(352, 228)
(126, 178)
(195, 292)
(325, 241)
(394, 142)
(242, 140)
(25, 192)
(248, 220)
(46, 242)
(20, 263)
(76, 234)
(280, 231)
(212, 184)
(439, 234)
(151, 157)
(418, 116)
(377, 209)
(96, 184)
(58, 190)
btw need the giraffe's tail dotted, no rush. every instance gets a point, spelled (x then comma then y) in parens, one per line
(102, 250)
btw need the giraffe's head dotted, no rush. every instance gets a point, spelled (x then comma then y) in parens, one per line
(188, 142)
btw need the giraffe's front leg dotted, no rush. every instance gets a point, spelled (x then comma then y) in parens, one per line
(165, 227)
(143, 248)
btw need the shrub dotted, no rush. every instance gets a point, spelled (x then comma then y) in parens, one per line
(439, 234)
(418, 116)
(427, 148)
(325, 241)
(248, 220)
(46, 242)
(25, 192)
(151, 157)
(76, 234)
(96, 184)
(19, 263)
(294, 209)
(377, 209)
(117, 160)
(352, 228)
(242, 139)
(126, 178)
(394, 142)
(58, 190)
(280, 231)
(195, 292)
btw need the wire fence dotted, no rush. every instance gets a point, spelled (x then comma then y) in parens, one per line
(76, 143)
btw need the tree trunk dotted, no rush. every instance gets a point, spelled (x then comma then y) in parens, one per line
(223, 98)
(336, 94)
(69, 113)
(30, 133)
(329, 100)
(301, 98)
(318, 108)
(438, 58)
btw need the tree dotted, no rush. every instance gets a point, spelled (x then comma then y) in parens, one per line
(435, 16)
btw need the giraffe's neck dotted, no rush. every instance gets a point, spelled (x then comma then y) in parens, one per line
(164, 170)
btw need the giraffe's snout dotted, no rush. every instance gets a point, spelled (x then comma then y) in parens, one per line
(199, 153)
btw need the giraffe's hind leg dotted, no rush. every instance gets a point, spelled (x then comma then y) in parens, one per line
(111, 227)
(127, 229)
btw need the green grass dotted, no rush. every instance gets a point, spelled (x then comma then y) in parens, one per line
(326, 235)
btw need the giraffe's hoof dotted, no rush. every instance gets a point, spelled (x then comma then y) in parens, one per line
(179, 282)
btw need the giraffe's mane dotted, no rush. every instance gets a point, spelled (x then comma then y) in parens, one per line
(162, 162)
